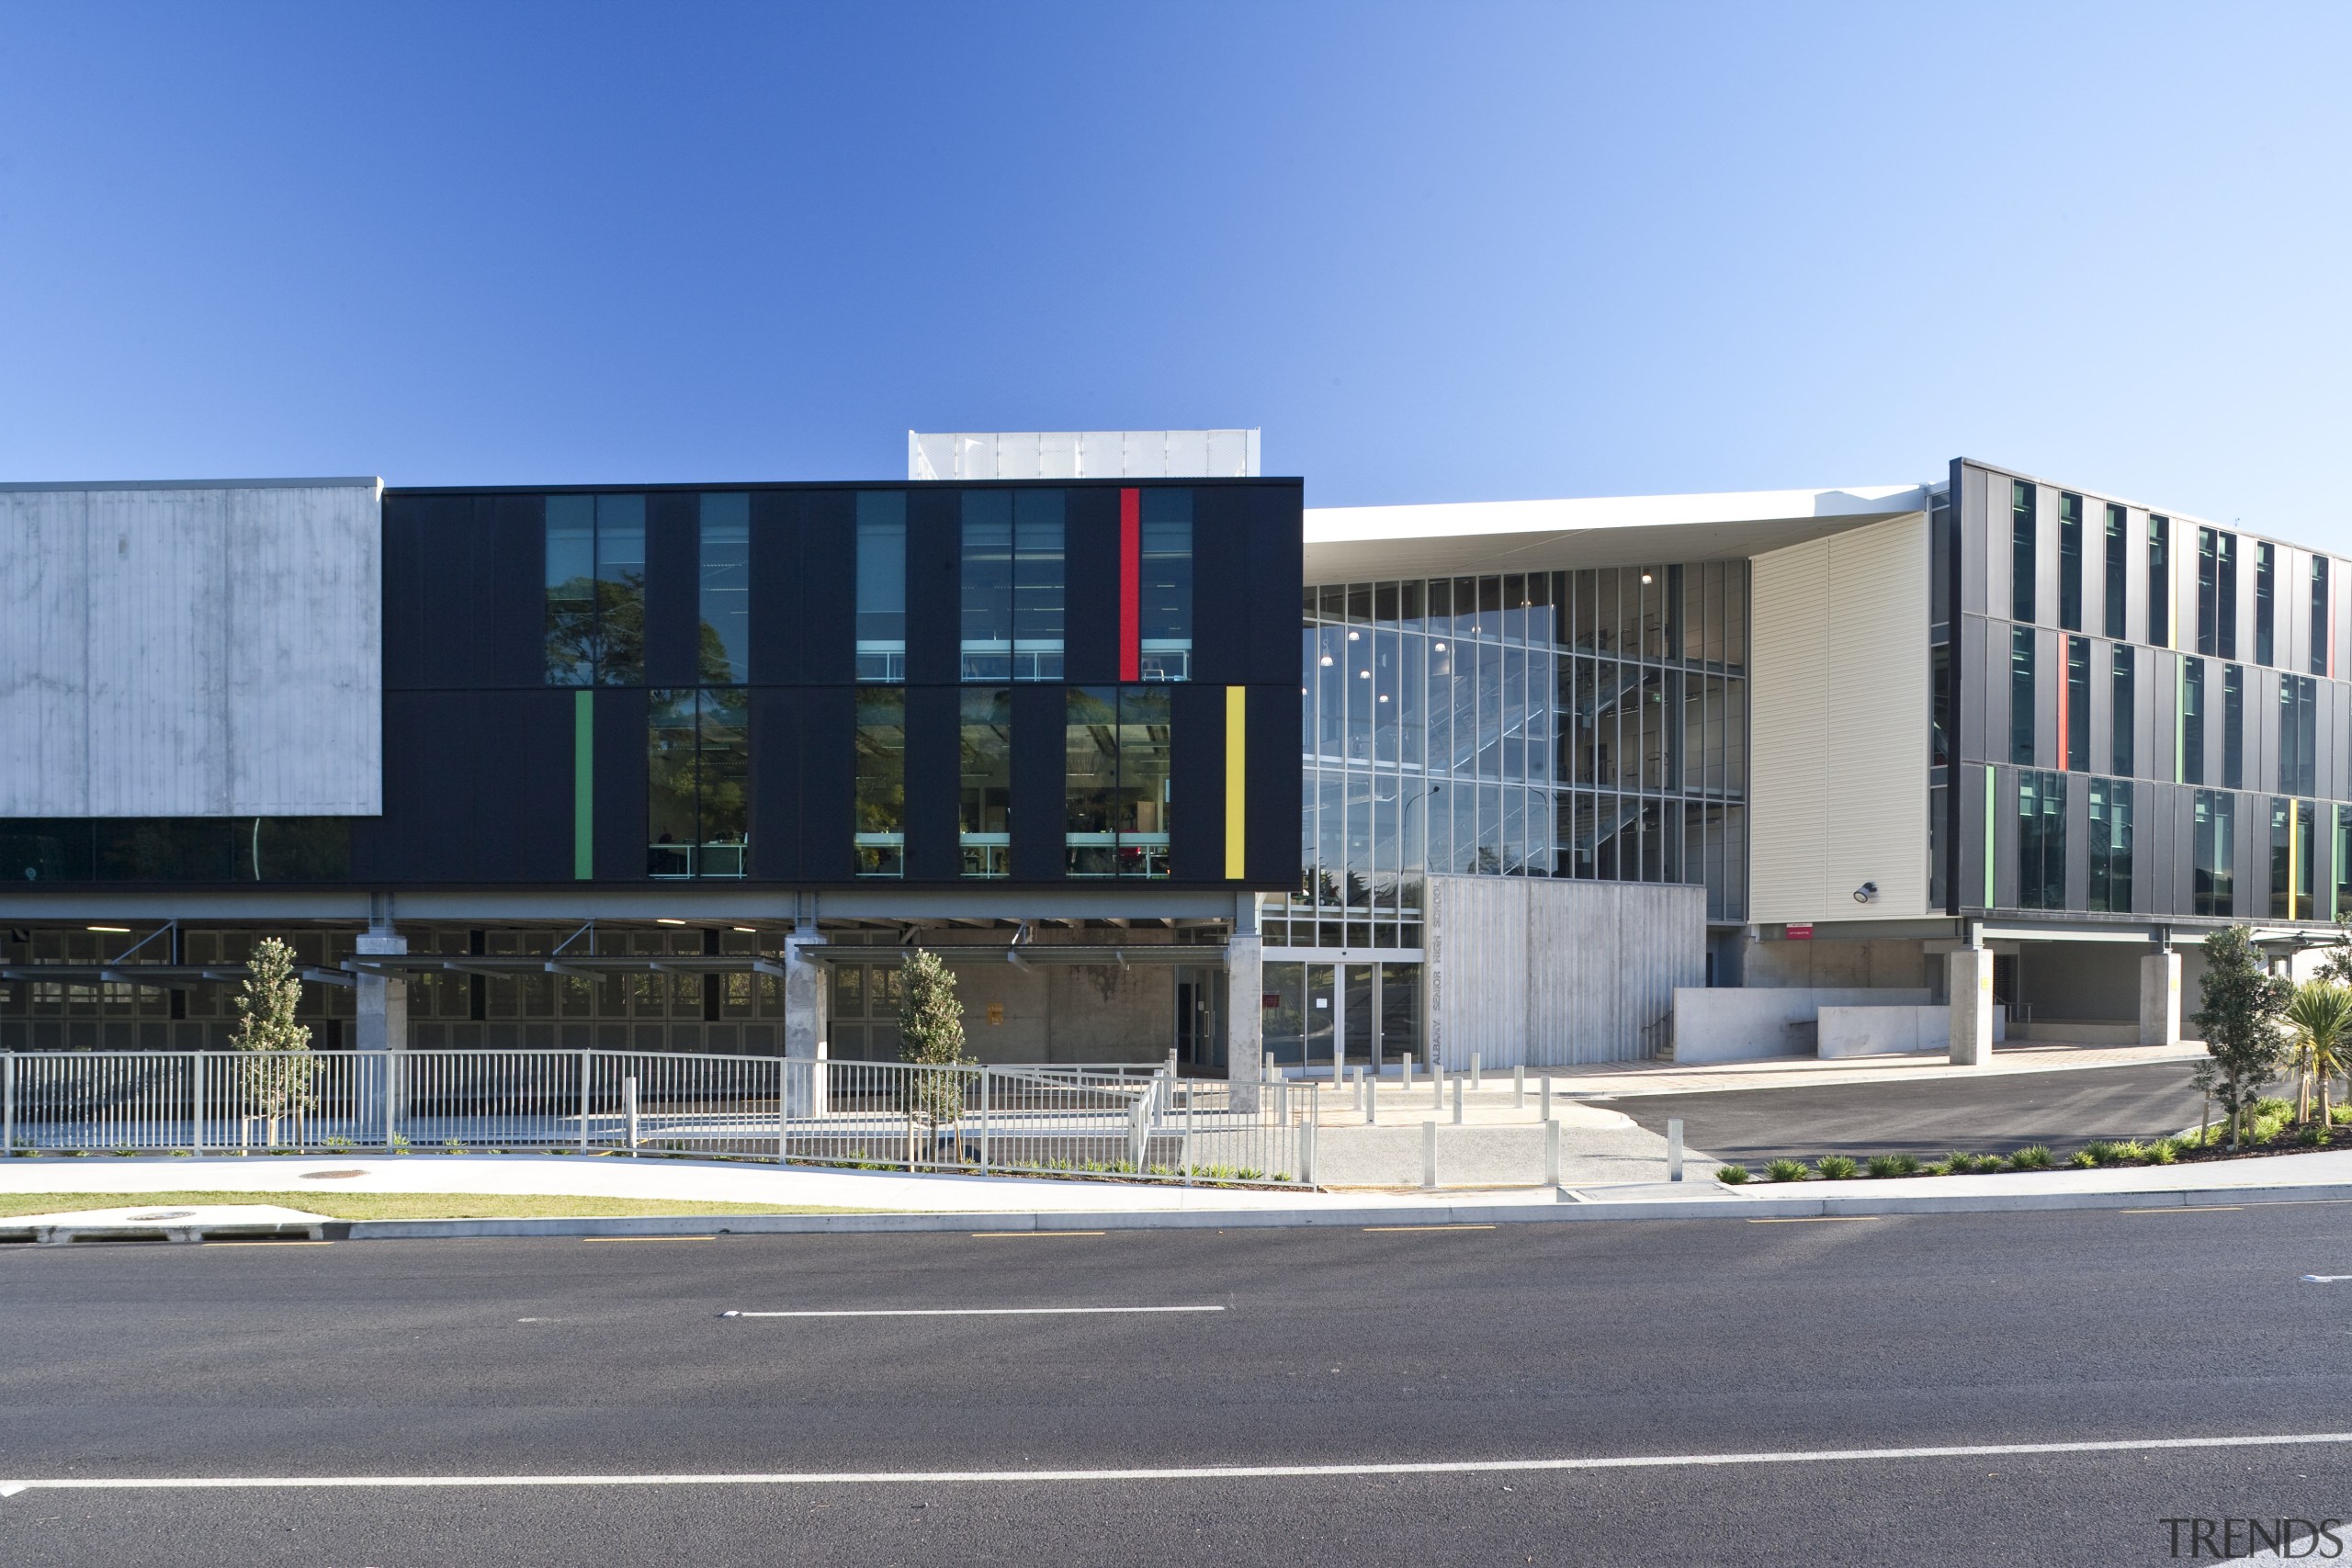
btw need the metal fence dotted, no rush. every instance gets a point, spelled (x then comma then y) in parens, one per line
(1135, 1122)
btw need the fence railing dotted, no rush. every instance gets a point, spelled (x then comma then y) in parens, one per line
(1139, 1123)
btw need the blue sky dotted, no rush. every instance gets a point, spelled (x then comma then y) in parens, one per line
(1455, 251)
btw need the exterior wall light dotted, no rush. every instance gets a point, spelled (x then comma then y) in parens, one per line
(1866, 894)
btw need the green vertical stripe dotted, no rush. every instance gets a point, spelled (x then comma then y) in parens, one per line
(584, 784)
(1988, 838)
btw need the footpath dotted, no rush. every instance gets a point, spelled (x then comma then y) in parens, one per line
(890, 1201)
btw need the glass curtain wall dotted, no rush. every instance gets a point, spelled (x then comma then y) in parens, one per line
(1589, 724)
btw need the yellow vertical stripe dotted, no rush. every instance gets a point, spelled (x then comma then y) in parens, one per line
(1236, 768)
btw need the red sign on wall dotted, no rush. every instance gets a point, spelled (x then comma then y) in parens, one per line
(1797, 933)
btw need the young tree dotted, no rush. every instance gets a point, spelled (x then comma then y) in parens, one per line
(278, 1077)
(2321, 1019)
(2245, 1004)
(930, 1035)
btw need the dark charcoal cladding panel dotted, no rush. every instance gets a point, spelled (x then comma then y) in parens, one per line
(776, 751)
(1271, 788)
(673, 588)
(1196, 825)
(935, 770)
(1039, 734)
(1091, 537)
(934, 586)
(478, 765)
(620, 768)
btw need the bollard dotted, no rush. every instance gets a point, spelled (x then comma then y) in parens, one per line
(1674, 1148)
(1437, 1086)
(1518, 1089)
(1457, 1100)
(1429, 1156)
(1547, 1096)
(628, 1109)
(1551, 1154)
(1476, 1081)
(1409, 1069)
(1371, 1102)
(1307, 1152)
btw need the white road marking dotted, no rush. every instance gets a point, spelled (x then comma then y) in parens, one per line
(2326, 1279)
(969, 1311)
(1186, 1473)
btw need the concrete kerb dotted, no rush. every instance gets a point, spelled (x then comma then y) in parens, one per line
(1418, 1216)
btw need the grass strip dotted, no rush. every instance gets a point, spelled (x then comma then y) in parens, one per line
(406, 1205)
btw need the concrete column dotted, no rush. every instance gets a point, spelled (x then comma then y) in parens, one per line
(1245, 986)
(382, 1027)
(1968, 971)
(804, 1032)
(383, 999)
(2160, 999)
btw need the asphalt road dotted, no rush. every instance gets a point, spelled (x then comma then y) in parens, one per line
(1928, 1119)
(491, 1358)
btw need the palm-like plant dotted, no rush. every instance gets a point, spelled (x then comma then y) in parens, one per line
(2320, 1015)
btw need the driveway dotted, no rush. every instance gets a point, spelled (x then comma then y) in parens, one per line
(1982, 1115)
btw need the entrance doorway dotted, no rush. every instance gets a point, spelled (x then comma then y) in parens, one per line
(1320, 1016)
(1199, 1018)
(863, 1017)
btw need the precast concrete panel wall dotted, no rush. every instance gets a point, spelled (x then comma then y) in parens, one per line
(1534, 972)
(197, 650)
(1838, 712)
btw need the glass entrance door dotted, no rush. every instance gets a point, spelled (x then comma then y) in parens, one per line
(1322, 1014)
(1357, 1015)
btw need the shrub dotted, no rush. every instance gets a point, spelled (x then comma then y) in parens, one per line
(2341, 1115)
(1785, 1170)
(1731, 1175)
(1885, 1165)
(2270, 1105)
(2131, 1151)
(2100, 1151)
(1835, 1167)
(2312, 1135)
(183, 1154)
(2083, 1159)
(124, 1151)
(2034, 1157)
(2164, 1151)
(451, 1145)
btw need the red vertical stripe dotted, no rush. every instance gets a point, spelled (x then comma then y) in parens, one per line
(1130, 585)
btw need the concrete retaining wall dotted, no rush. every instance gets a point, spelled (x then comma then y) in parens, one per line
(1883, 1030)
(1747, 1026)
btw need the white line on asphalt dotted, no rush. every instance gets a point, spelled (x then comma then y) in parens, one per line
(968, 1311)
(1189, 1473)
(2326, 1279)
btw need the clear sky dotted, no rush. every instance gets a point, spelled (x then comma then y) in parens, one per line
(1448, 252)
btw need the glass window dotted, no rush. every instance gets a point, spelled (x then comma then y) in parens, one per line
(2021, 696)
(2120, 710)
(725, 657)
(2322, 659)
(2266, 562)
(2233, 726)
(2192, 721)
(2022, 502)
(1164, 598)
(2160, 581)
(986, 813)
(2111, 559)
(1116, 782)
(2298, 734)
(697, 782)
(882, 586)
(2042, 839)
(2213, 851)
(596, 590)
(2070, 562)
(881, 831)
(2282, 827)
(620, 589)
(2110, 847)
(988, 585)
(2077, 728)
(1039, 594)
